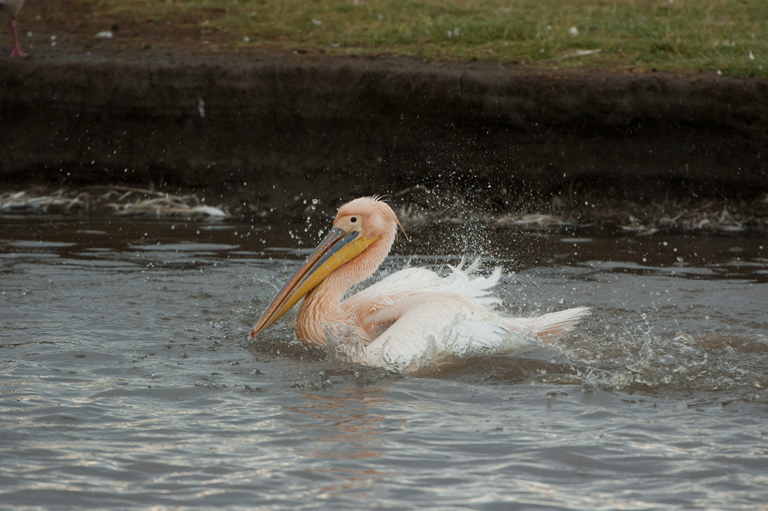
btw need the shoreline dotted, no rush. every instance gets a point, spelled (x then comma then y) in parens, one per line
(261, 134)
(417, 208)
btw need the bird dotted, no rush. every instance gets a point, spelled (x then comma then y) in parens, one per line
(13, 7)
(413, 319)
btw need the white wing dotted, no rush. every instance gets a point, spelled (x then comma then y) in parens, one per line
(438, 327)
(411, 281)
(419, 319)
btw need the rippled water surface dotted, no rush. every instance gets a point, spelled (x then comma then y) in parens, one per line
(128, 379)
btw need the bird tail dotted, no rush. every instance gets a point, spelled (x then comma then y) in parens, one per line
(549, 327)
(555, 325)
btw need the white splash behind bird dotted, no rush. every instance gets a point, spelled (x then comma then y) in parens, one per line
(12, 7)
(409, 320)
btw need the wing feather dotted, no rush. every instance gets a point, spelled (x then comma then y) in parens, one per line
(418, 319)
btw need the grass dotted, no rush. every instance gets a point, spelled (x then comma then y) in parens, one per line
(730, 36)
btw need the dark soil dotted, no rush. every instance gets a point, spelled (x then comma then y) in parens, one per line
(265, 131)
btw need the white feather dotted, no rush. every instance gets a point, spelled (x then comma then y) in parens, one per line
(427, 319)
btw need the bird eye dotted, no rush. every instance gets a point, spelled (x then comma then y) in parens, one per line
(353, 219)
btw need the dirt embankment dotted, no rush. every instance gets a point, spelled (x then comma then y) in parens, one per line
(261, 132)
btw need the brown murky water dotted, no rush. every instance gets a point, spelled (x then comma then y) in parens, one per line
(128, 380)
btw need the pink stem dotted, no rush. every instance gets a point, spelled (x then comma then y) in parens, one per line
(16, 52)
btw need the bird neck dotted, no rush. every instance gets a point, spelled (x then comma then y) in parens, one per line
(322, 305)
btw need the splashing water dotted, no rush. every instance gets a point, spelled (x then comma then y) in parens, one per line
(344, 346)
(128, 374)
(635, 359)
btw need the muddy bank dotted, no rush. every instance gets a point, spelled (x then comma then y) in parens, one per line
(269, 132)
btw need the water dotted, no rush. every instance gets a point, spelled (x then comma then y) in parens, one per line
(128, 380)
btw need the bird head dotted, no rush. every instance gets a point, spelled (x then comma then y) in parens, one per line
(357, 225)
(370, 216)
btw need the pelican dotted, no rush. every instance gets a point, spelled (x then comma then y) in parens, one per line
(410, 320)
(13, 7)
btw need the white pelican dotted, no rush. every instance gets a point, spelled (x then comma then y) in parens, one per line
(13, 6)
(408, 321)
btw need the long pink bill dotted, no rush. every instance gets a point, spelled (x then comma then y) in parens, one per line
(336, 249)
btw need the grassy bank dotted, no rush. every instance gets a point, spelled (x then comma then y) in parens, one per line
(730, 36)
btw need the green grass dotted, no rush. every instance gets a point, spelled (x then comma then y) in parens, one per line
(730, 36)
